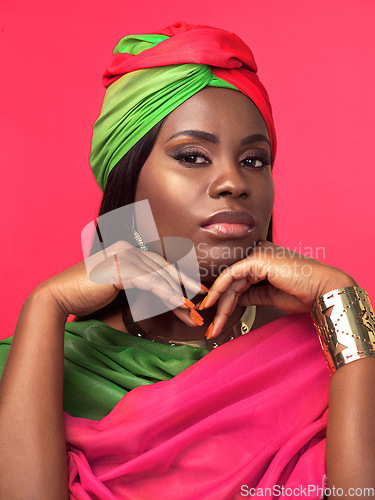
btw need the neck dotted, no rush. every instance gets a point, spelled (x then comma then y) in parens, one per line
(168, 325)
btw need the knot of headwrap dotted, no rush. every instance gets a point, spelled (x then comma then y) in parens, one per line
(150, 75)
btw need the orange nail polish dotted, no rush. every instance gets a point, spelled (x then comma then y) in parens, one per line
(209, 331)
(197, 305)
(204, 288)
(188, 303)
(118, 270)
(196, 317)
(196, 314)
(203, 303)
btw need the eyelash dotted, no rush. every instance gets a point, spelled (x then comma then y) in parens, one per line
(181, 156)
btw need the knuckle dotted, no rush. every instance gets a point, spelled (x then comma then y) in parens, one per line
(233, 292)
(170, 293)
(119, 246)
(227, 271)
(154, 279)
(225, 314)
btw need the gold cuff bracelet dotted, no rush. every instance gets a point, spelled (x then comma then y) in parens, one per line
(345, 323)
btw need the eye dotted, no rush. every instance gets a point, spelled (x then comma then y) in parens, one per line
(193, 157)
(252, 162)
(257, 160)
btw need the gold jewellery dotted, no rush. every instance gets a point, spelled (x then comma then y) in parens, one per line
(345, 323)
(241, 328)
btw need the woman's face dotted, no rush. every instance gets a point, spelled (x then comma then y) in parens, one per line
(212, 154)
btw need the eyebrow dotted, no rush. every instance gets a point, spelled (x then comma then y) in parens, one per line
(206, 136)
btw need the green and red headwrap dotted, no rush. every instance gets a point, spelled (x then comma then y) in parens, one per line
(150, 75)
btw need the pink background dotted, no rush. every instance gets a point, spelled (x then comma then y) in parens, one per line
(315, 57)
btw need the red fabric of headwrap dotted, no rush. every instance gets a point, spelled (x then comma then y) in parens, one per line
(230, 58)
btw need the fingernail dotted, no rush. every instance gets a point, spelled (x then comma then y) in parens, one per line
(196, 317)
(197, 305)
(188, 302)
(205, 288)
(209, 331)
(118, 271)
(203, 303)
(182, 299)
(192, 322)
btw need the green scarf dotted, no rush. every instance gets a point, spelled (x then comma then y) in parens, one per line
(102, 364)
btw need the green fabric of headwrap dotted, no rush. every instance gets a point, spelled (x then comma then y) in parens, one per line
(136, 102)
(150, 75)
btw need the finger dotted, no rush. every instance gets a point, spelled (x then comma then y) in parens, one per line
(257, 296)
(103, 267)
(158, 263)
(155, 283)
(97, 264)
(254, 268)
(266, 295)
(185, 317)
(149, 267)
(106, 272)
(274, 297)
(221, 317)
(226, 305)
(239, 272)
(141, 258)
(176, 276)
(185, 280)
(190, 283)
(179, 276)
(123, 264)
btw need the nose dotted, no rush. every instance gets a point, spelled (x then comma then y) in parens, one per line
(230, 180)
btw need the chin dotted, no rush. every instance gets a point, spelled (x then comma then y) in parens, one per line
(210, 270)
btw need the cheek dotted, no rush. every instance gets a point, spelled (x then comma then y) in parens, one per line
(263, 197)
(168, 198)
(271, 196)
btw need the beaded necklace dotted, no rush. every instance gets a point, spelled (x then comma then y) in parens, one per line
(243, 326)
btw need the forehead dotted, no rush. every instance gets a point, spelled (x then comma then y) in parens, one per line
(219, 111)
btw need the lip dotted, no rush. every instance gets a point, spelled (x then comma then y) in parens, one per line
(231, 217)
(230, 223)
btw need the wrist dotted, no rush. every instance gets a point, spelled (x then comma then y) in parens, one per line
(44, 302)
(345, 323)
(339, 280)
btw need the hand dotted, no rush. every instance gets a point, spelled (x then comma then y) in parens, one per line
(295, 282)
(95, 282)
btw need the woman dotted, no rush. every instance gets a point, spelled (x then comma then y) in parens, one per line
(187, 126)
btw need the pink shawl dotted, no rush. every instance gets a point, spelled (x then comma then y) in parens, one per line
(250, 414)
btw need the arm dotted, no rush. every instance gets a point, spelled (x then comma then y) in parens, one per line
(33, 462)
(345, 324)
(351, 430)
(295, 283)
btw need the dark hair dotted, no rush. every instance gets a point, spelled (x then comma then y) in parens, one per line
(122, 181)
(120, 191)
